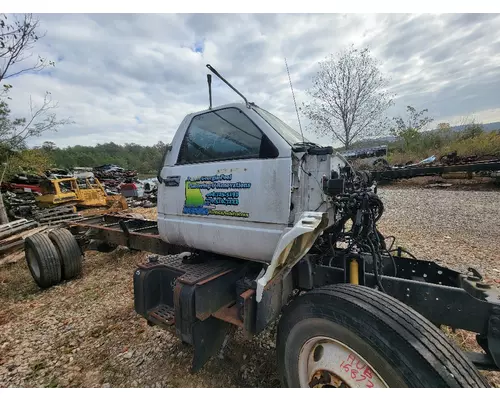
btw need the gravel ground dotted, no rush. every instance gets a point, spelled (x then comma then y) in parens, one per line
(85, 333)
(458, 229)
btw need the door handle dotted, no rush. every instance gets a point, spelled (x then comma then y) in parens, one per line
(171, 180)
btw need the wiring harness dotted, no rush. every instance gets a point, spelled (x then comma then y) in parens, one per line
(358, 208)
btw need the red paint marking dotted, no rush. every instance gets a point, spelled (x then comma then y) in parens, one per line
(358, 370)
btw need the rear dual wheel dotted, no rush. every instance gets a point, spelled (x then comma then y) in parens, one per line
(53, 257)
(353, 336)
(69, 253)
(43, 260)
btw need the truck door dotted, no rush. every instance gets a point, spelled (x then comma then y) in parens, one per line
(231, 187)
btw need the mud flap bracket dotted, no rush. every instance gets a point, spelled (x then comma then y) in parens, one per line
(208, 337)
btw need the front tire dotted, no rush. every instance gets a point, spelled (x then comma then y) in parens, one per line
(353, 336)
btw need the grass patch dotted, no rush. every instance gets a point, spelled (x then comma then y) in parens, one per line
(482, 145)
(52, 383)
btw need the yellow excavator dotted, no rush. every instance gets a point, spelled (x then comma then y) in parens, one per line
(83, 193)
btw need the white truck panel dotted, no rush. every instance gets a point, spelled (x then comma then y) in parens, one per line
(198, 212)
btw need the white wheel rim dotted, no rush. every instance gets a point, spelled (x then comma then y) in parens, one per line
(326, 362)
(33, 263)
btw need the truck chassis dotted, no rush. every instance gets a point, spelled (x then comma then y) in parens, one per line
(202, 295)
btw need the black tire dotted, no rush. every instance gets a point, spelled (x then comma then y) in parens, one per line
(69, 252)
(43, 260)
(406, 349)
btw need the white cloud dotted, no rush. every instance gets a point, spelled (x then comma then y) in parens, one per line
(132, 78)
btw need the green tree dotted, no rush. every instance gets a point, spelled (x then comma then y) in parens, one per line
(144, 159)
(49, 146)
(27, 161)
(470, 128)
(410, 128)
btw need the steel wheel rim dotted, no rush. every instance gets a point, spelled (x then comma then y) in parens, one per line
(326, 362)
(33, 263)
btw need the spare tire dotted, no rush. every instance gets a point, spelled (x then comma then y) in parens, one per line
(43, 260)
(69, 252)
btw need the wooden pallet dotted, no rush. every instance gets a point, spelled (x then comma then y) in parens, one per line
(12, 247)
(15, 227)
(57, 215)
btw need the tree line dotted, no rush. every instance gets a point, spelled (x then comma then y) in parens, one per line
(143, 159)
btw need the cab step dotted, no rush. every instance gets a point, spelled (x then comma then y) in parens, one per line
(199, 298)
(156, 281)
(162, 315)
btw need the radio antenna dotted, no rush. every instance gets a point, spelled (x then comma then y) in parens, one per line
(214, 71)
(209, 81)
(294, 102)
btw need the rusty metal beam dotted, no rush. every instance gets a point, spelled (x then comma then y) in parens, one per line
(229, 314)
(141, 234)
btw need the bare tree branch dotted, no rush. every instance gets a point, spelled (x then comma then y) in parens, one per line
(15, 132)
(16, 39)
(410, 130)
(348, 97)
(415, 121)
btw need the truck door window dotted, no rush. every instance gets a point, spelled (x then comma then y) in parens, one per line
(224, 135)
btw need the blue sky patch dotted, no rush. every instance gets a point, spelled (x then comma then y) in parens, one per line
(199, 46)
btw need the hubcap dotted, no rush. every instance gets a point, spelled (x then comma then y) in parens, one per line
(327, 363)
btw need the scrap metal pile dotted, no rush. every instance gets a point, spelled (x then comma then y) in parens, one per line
(23, 193)
(112, 176)
(139, 193)
(39, 203)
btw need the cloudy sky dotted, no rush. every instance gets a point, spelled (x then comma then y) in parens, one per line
(133, 77)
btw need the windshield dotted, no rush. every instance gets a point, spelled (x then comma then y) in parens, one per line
(286, 132)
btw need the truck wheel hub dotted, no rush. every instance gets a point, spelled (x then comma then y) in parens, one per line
(327, 363)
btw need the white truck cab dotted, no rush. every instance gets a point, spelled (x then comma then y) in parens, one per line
(235, 179)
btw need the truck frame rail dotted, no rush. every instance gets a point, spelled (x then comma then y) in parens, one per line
(122, 230)
(419, 170)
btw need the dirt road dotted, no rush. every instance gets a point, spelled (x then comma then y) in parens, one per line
(85, 333)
